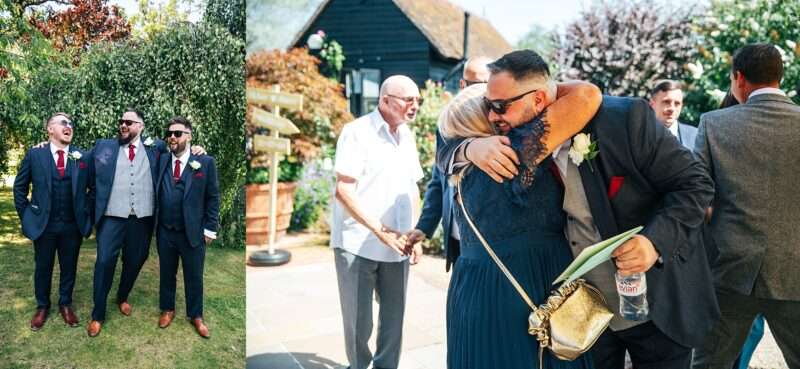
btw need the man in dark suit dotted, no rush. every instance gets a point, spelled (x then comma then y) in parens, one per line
(439, 195)
(640, 176)
(187, 196)
(58, 214)
(666, 99)
(750, 150)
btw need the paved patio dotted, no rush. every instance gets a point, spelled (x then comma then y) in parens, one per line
(294, 321)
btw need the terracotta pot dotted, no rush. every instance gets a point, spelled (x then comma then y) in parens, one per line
(257, 211)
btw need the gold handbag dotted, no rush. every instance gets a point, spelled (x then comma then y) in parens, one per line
(572, 318)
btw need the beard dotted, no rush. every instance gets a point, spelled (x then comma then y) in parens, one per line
(180, 147)
(125, 140)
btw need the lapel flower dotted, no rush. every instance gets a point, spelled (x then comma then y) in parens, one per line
(194, 164)
(75, 155)
(149, 142)
(583, 149)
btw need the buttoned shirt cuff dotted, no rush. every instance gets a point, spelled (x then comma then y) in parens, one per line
(459, 159)
(209, 234)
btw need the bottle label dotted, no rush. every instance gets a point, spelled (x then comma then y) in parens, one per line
(630, 287)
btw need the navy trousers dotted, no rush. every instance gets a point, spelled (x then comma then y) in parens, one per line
(132, 237)
(648, 346)
(64, 239)
(173, 246)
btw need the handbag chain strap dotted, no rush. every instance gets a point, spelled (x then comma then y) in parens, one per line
(496, 259)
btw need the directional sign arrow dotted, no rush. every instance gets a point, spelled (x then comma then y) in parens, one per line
(264, 119)
(263, 96)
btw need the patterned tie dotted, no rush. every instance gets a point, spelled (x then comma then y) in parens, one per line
(177, 174)
(60, 163)
(131, 151)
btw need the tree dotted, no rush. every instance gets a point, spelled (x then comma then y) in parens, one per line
(730, 25)
(623, 47)
(228, 14)
(543, 41)
(84, 23)
(151, 20)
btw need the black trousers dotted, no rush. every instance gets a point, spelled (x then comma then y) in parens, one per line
(648, 346)
(65, 240)
(172, 247)
(132, 237)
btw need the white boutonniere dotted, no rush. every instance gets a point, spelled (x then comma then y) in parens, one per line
(583, 149)
(194, 164)
(75, 155)
(149, 141)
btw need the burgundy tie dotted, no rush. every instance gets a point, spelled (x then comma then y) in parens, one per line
(60, 163)
(131, 152)
(177, 174)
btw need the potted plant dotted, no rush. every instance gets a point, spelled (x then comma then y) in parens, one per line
(258, 200)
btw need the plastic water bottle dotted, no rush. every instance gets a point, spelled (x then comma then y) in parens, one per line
(632, 291)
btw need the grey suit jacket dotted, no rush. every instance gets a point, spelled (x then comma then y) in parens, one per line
(751, 152)
(687, 135)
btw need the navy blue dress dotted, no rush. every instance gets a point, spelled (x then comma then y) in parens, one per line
(523, 222)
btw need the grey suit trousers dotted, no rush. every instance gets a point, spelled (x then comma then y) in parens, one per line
(359, 279)
(723, 344)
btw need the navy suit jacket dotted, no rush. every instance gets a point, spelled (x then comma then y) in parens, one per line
(643, 176)
(36, 169)
(438, 205)
(104, 166)
(200, 197)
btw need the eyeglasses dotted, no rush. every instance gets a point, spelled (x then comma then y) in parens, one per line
(65, 123)
(409, 99)
(500, 106)
(127, 122)
(468, 83)
(177, 134)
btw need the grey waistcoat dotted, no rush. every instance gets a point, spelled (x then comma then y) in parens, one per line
(581, 232)
(132, 192)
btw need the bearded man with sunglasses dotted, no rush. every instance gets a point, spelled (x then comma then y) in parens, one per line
(125, 173)
(187, 207)
(58, 214)
(638, 175)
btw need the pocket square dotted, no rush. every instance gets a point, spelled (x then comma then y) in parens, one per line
(198, 175)
(82, 165)
(614, 186)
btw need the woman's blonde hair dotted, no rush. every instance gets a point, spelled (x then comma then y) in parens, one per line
(466, 115)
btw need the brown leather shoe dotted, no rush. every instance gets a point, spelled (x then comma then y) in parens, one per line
(201, 328)
(125, 308)
(94, 328)
(38, 319)
(68, 315)
(166, 318)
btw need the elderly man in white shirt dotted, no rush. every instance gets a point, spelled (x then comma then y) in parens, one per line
(377, 168)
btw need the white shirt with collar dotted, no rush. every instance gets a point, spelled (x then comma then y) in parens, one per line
(767, 90)
(386, 168)
(54, 152)
(136, 142)
(674, 129)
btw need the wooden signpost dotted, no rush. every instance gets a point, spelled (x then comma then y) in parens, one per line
(277, 146)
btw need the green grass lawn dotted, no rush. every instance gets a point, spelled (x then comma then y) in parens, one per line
(125, 342)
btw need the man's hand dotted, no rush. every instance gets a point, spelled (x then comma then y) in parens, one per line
(416, 253)
(198, 150)
(414, 237)
(208, 240)
(494, 156)
(635, 255)
(395, 240)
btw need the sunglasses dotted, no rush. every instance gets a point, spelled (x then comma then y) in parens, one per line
(65, 123)
(468, 83)
(177, 134)
(409, 99)
(500, 106)
(127, 122)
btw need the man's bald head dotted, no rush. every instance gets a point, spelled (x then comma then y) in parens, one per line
(399, 100)
(475, 71)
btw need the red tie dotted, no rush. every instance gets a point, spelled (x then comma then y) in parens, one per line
(131, 152)
(177, 174)
(60, 163)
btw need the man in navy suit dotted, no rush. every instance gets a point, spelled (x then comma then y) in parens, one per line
(187, 197)
(57, 215)
(666, 99)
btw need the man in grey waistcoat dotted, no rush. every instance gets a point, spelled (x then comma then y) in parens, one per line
(750, 150)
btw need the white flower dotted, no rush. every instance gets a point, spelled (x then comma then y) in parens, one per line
(149, 141)
(194, 164)
(723, 26)
(717, 94)
(792, 93)
(792, 45)
(753, 24)
(784, 57)
(765, 16)
(730, 18)
(327, 164)
(314, 42)
(75, 155)
(714, 33)
(580, 147)
(695, 69)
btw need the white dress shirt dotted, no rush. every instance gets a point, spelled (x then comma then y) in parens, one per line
(767, 90)
(674, 129)
(54, 151)
(386, 168)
